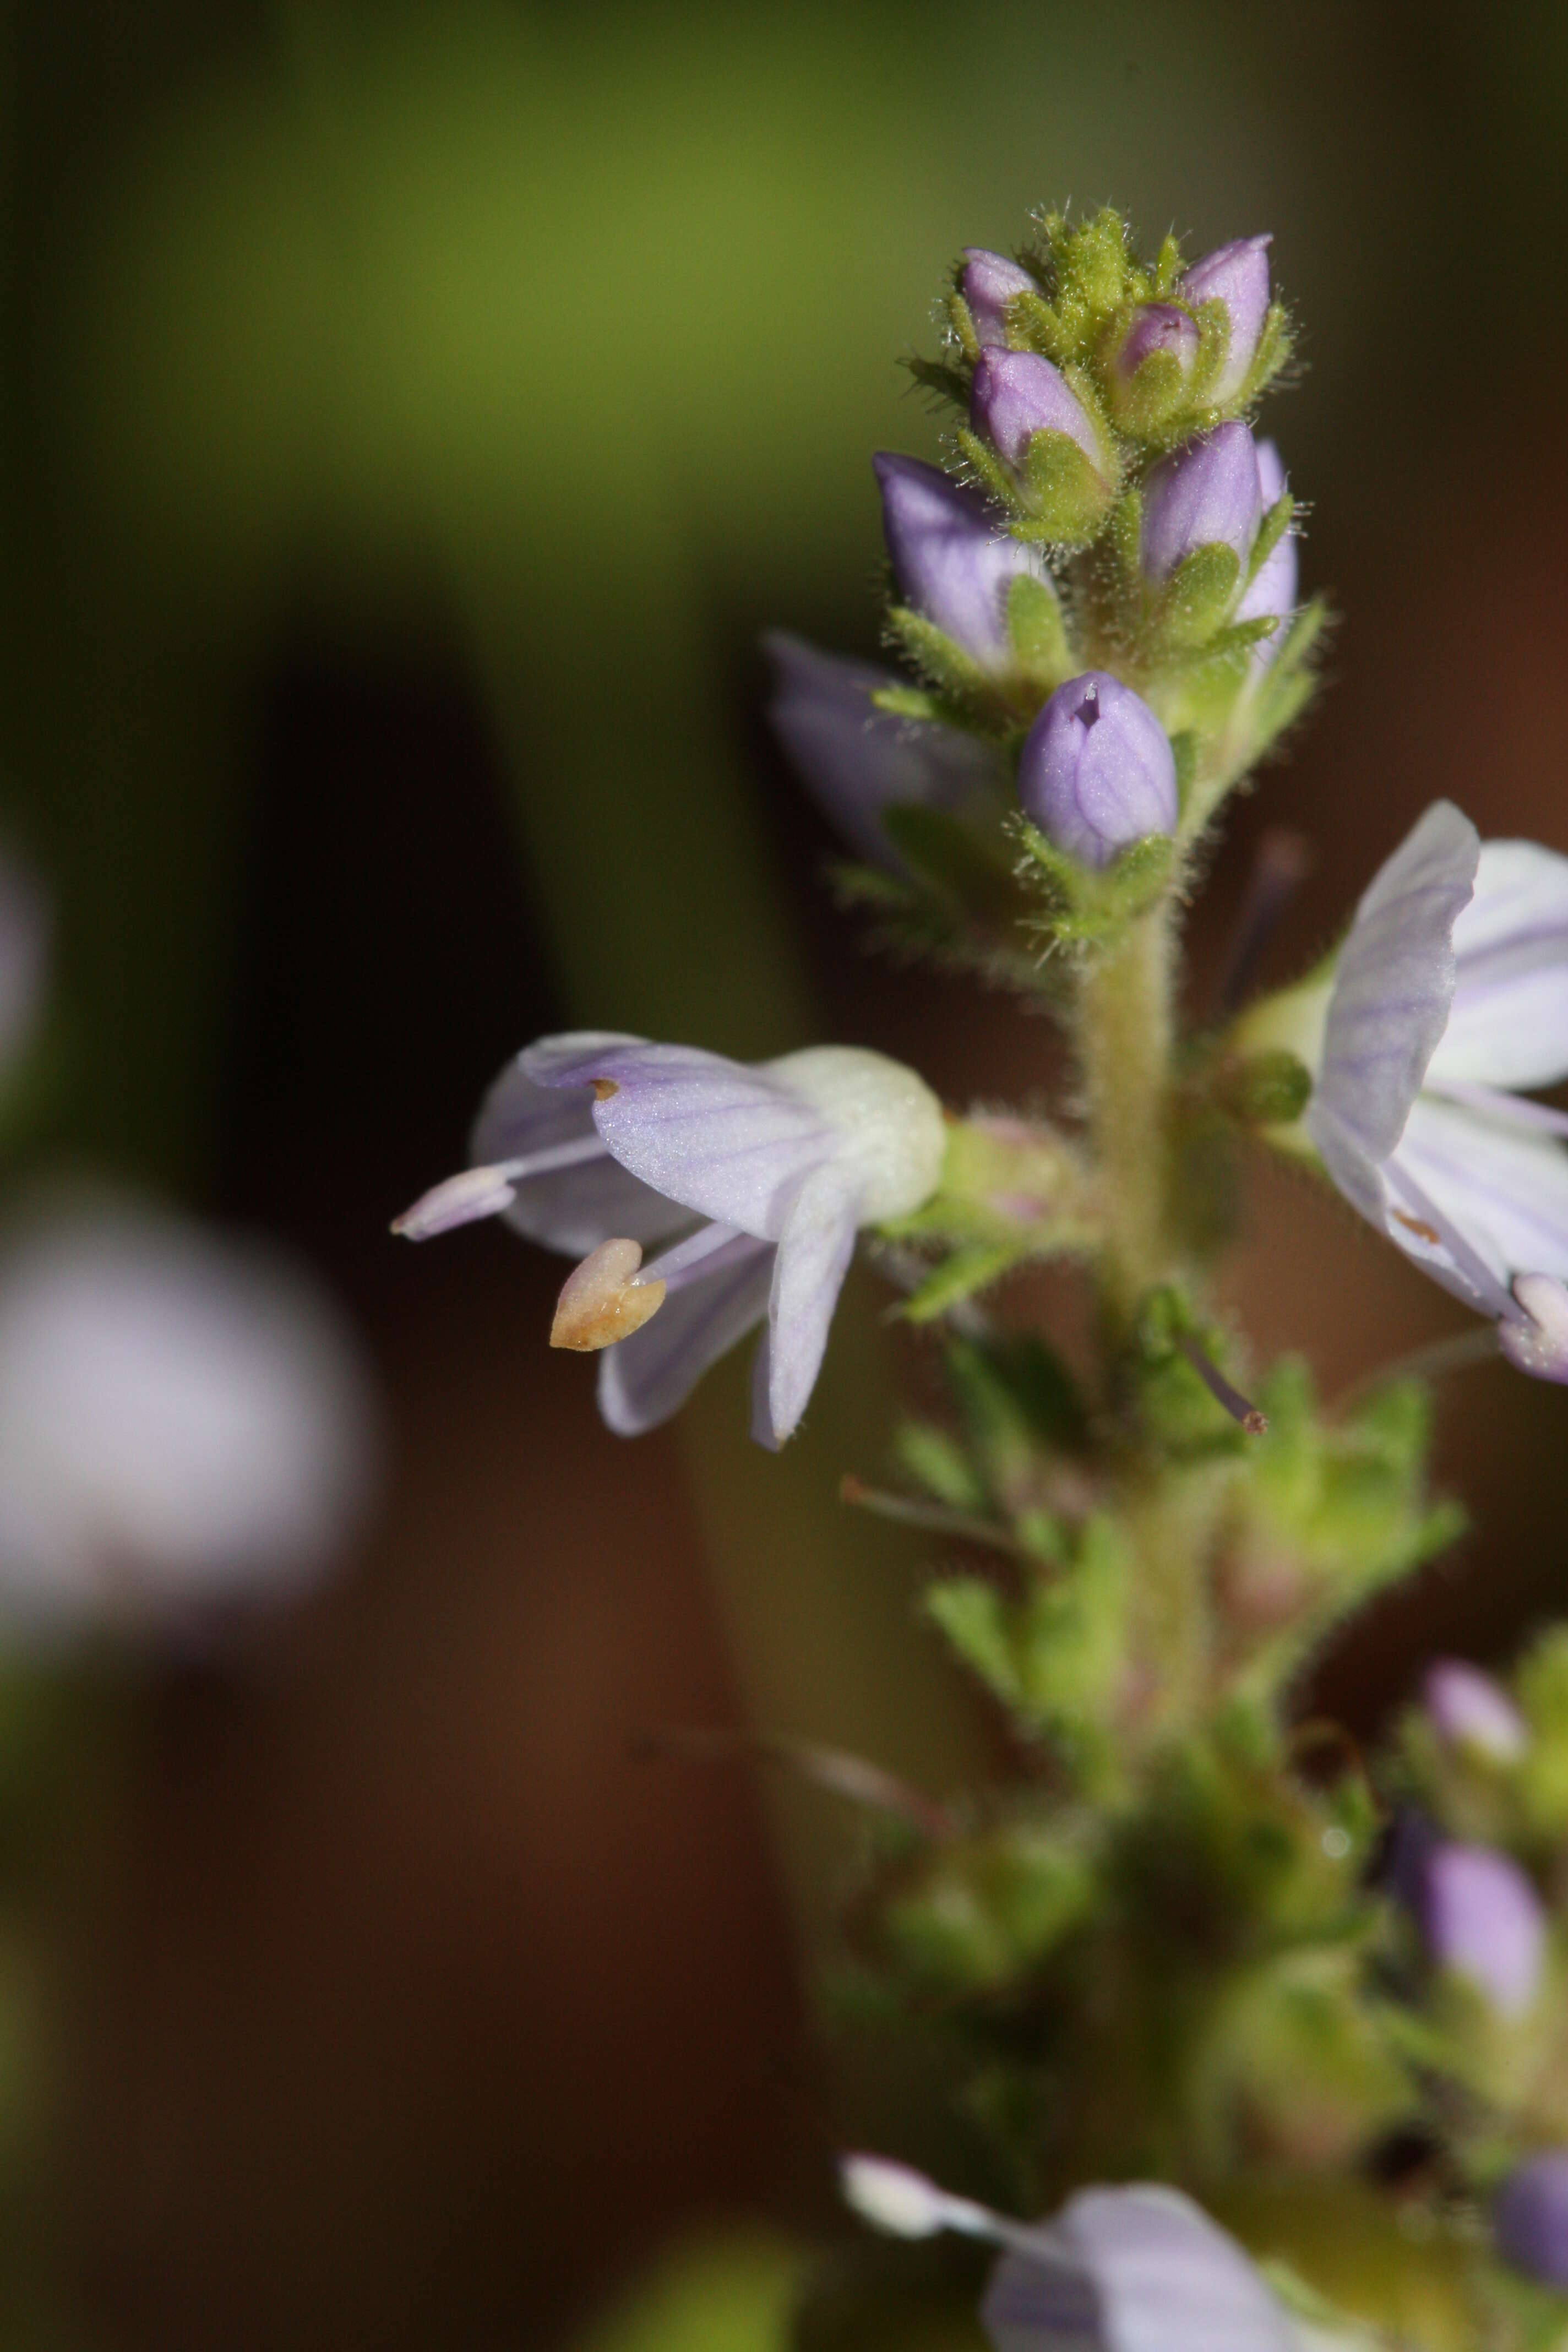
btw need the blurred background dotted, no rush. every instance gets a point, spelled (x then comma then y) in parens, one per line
(414, 413)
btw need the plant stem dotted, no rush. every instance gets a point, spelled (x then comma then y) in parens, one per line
(1124, 1051)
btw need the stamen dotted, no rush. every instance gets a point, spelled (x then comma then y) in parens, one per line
(703, 1252)
(935, 1518)
(898, 2198)
(1220, 1389)
(486, 1192)
(600, 1302)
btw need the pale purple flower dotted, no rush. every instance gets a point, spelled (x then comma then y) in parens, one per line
(754, 1179)
(856, 761)
(1483, 1920)
(1096, 770)
(1530, 2217)
(24, 955)
(1467, 1709)
(1272, 591)
(988, 284)
(1157, 326)
(1137, 2269)
(183, 1420)
(1016, 394)
(1238, 276)
(1450, 995)
(955, 557)
(1206, 494)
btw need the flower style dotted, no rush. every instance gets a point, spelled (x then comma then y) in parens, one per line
(856, 761)
(1138, 2269)
(755, 1178)
(1450, 995)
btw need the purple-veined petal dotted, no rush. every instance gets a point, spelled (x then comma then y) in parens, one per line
(1390, 1197)
(1505, 1190)
(856, 761)
(571, 1209)
(1394, 985)
(813, 1254)
(1508, 1025)
(1135, 2269)
(645, 1379)
(728, 1142)
(1517, 1112)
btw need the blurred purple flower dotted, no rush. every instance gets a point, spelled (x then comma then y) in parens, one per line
(1238, 276)
(181, 1420)
(1483, 1920)
(1530, 2217)
(856, 761)
(1206, 494)
(1097, 771)
(1449, 994)
(953, 557)
(1468, 1709)
(1016, 394)
(757, 1177)
(1137, 2269)
(988, 284)
(24, 957)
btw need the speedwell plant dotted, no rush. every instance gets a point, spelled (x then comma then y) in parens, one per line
(1274, 2039)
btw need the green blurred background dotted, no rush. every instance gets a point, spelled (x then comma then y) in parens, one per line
(413, 415)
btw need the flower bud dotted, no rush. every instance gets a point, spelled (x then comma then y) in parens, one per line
(1273, 587)
(1238, 276)
(1530, 2217)
(1016, 394)
(1097, 771)
(1207, 494)
(1467, 1710)
(1150, 368)
(988, 284)
(1483, 1920)
(953, 556)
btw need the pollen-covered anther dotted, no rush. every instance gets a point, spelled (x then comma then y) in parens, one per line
(601, 1300)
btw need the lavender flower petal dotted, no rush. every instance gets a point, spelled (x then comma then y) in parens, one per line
(1205, 495)
(1238, 276)
(856, 761)
(1467, 1709)
(1505, 1190)
(1016, 394)
(645, 1379)
(569, 1209)
(1508, 1025)
(988, 284)
(953, 556)
(1530, 2217)
(1275, 586)
(813, 1254)
(726, 1141)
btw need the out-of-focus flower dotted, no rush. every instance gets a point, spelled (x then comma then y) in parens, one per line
(1273, 589)
(1468, 1711)
(1206, 494)
(1483, 1920)
(856, 761)
(1530, 2217)
(24, 957)
(1096, 770)
(1016, 394)
(1238, 276)
(1138, 2269)
(758, 1177)
(1450, 992)
(953, 557)
(183, 1420)
(988, 284)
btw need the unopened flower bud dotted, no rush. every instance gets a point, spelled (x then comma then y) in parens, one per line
(1467, 1709)
(1483, 1920)
(1530, 2217)
(954, 558)
(1238, 276)
(1207, 494)
(1097, 771)
(1016, 394)
(1540, 1344)
(1152, 365)
(601, 1301)
(988, 284)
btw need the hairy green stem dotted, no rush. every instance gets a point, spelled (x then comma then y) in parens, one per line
(1124, 1025)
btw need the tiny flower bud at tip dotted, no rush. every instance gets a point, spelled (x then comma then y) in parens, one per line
(477, 1193)
(895, 2198)
(601, 1301)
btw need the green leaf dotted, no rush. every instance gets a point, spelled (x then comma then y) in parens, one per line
(972, 1615)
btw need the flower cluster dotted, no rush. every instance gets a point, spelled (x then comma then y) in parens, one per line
(1192, 1943)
